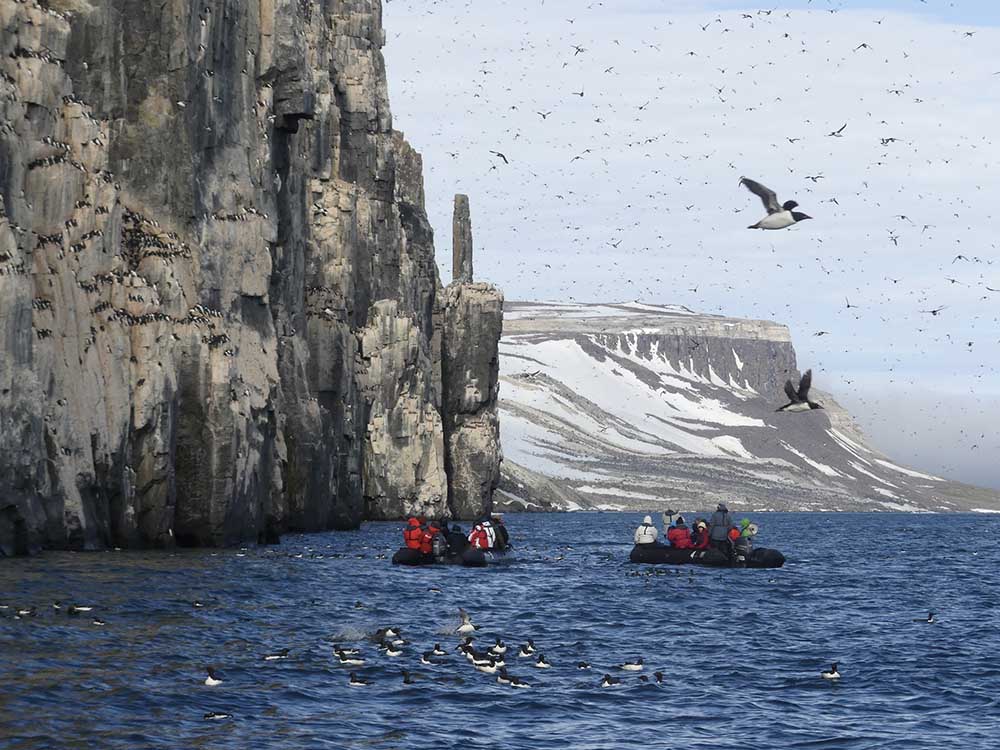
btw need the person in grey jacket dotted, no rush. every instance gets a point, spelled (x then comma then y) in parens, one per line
(646, 533)
(718, 528)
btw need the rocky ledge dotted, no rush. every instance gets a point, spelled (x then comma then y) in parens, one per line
(220, 314)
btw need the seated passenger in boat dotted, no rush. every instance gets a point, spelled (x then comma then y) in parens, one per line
(679, 535)
(430, 531)
(699, 539)
(413, 533)
(456, 540)
(646, 533)
(483, 535)
(503, 536)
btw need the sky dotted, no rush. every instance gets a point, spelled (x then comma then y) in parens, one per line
(625, 127)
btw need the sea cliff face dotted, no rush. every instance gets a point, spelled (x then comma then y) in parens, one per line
(220, 315)
(645, 407)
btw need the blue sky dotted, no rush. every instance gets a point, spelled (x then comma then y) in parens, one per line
(630, 191)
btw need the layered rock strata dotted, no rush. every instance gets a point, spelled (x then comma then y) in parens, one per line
(218, 294)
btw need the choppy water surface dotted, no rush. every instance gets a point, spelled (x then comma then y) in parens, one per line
(741, 649)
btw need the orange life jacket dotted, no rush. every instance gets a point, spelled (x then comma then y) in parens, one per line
(427, 539)
(413, 534)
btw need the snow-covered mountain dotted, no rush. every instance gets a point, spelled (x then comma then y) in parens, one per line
(642, 406)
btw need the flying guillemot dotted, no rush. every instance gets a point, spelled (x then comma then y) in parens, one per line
(778, 216)
(799, 400)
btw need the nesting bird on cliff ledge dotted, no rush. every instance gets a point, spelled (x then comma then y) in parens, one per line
(799, 400)
(778, 216)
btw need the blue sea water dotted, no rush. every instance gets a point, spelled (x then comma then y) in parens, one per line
(741, 650)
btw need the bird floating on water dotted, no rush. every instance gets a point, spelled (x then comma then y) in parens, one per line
(832, 674)
(609, 681)
(212, 679)
(799, 400)
(356, 681)
(527, 649)
(349, 660)
(778, 216)
(928, 619)
(633, 666)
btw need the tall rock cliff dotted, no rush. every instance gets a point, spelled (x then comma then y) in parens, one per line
(218, 294)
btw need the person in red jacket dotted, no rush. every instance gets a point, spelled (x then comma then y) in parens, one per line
(427, 538)
(700, 540)
(483, 535)
(679, 535)
(413, 534)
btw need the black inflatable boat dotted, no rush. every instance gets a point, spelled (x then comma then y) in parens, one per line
(470, 557)
(656, 554)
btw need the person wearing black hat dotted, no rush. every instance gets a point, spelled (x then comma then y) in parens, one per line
(456, 540)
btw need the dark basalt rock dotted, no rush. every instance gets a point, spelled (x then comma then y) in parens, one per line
(217, 283)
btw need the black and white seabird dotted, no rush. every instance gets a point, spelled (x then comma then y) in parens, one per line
(928, 619)
(609, 681)
(778, 216)
(212, 679)
(542, 662)
(832, 674)
(349, 660)
(467, 626)
(799, 400)
(427, 658)
(632, 666)
(356, 681)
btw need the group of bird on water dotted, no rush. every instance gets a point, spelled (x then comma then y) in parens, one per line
(491, 659)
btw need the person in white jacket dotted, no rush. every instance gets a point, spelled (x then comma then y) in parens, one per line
(646, 533)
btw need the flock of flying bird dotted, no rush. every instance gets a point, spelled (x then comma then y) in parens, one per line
(607, 144)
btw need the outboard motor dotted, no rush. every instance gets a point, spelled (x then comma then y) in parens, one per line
(439, 547)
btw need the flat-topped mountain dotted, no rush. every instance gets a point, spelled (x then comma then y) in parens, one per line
(642, 406)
